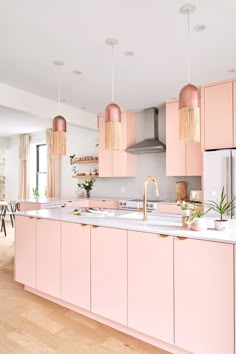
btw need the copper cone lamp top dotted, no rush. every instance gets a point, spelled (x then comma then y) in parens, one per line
(113, 111)
(189, 96)
(59, 124)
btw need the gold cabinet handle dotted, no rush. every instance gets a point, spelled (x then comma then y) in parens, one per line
(182, 238)
(94, 226)
(161, 235)
(83, 225)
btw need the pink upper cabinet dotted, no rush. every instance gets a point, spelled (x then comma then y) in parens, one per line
(218, 116)
(204, 296)
(234, 112)
(181, 159)
(118, 163)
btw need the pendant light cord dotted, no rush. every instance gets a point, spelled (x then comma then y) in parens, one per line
(59, 91)
(188, 49)
(112, 73)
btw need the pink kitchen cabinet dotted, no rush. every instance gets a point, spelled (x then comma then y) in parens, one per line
(204, 296)
(218, 116)
(75, 264)
(106, 204)
(150, 285)
(77, 203)
(25, 250)
(118, 163)
(109, 273)
(234, 111)
(48, 257)
(181, 159)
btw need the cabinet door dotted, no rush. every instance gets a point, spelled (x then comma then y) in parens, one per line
(218, 116)
(204, 303)
(150, 285)
(124, 164)
(75, 264)
(234, 112)
(77, 203)
(25, 250)
(48, 257)
(175, 151)
(193, 159)
(109, 204)
(26, 206)
(105, 156)
(109, 273)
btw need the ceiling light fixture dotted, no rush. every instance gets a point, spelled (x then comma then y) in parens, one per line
(59, 122)
(112, 112)
(189, 111)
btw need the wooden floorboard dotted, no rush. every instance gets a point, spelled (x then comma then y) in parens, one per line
(30, 324)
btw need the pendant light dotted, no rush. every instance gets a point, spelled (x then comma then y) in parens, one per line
(189, 102)
(112, 112)
(59, 123)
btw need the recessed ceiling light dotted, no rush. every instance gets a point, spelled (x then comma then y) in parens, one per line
(232, 70)
(199, 28)
(84, 107)
(129, 53)
(63, 100)
(58, 62)
(77, 72)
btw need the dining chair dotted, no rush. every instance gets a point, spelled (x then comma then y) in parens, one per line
(3, 209)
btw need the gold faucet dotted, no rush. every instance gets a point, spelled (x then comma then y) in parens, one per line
(153, 179)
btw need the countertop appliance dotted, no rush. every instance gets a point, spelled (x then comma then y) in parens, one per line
(135, 204)
(219, 170)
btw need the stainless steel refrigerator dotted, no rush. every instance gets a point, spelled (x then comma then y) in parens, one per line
(219, 170)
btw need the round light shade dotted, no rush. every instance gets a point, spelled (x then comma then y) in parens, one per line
(189, 96)
(112, 113)
(59, 124)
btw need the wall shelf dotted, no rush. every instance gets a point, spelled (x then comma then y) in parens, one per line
(85, 161)
(85, 176)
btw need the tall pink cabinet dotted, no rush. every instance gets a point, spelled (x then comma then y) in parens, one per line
(219, 115)
(118, 163)
(181, 159)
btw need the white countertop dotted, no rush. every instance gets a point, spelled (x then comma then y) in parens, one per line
(160, 224)
(44, 200)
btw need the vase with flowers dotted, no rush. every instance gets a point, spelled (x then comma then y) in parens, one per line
(87, 185)
(186, 212)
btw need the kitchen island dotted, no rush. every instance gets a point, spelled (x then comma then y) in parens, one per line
(171, 287)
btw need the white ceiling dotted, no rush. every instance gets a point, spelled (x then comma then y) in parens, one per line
(34, 33)
(13, 122)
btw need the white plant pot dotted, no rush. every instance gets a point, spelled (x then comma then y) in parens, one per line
(199, 224)
(221, 225)
(185, 214)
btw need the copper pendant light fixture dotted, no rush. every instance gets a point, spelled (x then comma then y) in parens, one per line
(189, 102)
(112, 112)
(59, 123)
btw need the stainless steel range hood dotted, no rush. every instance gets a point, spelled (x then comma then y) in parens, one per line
(149, 145)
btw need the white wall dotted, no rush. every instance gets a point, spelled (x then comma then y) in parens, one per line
(12, 168)
(82, 143)
(4, 143)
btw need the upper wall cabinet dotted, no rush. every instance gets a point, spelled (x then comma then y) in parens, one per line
(181, 159)
(118, 163)
(218, 118)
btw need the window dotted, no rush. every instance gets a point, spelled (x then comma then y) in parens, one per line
(41, 169)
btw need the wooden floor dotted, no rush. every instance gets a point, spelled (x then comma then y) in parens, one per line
(30, 324)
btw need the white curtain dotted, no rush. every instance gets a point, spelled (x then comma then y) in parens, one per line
(24, 166)
(53, 169)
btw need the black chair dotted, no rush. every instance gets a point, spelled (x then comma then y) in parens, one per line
(14, 207)
(3, 209)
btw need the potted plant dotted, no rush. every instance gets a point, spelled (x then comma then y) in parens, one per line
(87, 185)
(196, 220)
(221, 206)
